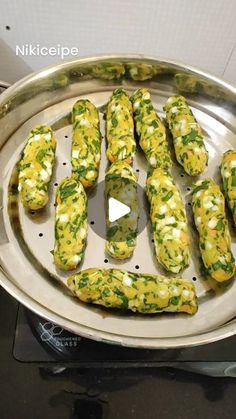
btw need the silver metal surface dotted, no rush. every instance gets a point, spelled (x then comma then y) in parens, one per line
(27, 270)
(3, 85)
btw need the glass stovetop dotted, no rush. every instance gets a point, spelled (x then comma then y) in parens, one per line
(42, 386)
(37, 340)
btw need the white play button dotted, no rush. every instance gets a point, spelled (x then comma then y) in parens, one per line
(116, 209)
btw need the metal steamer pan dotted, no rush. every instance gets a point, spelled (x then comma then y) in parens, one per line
(27, 271)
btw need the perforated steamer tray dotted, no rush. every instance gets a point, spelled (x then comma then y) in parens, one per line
(26, 239)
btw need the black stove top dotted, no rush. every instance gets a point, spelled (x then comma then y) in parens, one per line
(37, 340)
(46, 385)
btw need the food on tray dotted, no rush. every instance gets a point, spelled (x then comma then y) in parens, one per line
(120, 128)
(169, 223)
(189, 146)
(150, 130)
(121, 234)
(86, 142)
(70, 224)
(141, 72)
(108, 70)
(228, 173)
(188, 83)
(214, 240)
(35, 167)
(143, 293)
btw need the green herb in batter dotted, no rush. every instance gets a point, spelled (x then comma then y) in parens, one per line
(114, 122)
(68, 191)
(220, 225)
(112, 231)
(174, 300)
(167, 196)
(40, 155)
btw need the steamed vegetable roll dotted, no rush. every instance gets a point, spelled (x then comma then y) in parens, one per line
(70, 224)
(169, 223)
(141, 71)
(35, 167)
(188, 83)
(120, 128)
(188, 140)
(143, 293)
(108, 70)
(228, 173)
(86, 142)
(121, 234)
(150, 130)
(214, 239)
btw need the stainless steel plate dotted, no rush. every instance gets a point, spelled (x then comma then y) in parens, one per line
(26, 239)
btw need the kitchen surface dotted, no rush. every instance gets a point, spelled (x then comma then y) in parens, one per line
(54, 389)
